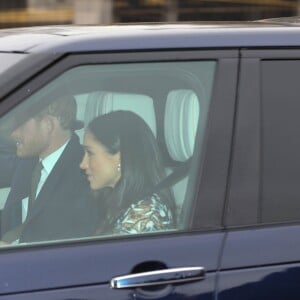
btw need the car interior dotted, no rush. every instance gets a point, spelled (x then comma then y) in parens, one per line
(172, 98)
(179, 134)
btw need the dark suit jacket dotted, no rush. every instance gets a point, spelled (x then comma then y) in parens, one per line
(62, 209)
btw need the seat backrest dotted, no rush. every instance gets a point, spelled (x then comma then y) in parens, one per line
(180, 128)
(99, 103)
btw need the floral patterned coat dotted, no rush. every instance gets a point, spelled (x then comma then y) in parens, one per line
(147, 215)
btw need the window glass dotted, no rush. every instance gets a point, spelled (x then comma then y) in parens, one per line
(280, 161)
(137, 125)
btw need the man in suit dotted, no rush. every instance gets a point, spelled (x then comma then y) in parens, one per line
(59, 207)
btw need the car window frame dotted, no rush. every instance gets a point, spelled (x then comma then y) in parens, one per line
(207, 213)
(244, 183)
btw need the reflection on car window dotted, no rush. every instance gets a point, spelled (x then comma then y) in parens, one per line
(110, 157)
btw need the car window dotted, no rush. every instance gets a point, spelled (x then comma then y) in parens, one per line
(104, 151)
(280, 163)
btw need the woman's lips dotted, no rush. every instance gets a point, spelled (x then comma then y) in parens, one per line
(89, 177)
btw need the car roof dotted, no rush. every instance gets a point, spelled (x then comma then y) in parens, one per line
(281, 32)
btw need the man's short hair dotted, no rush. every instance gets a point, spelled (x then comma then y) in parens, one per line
(64, 109)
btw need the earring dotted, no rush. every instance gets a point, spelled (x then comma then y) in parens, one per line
(119, 167)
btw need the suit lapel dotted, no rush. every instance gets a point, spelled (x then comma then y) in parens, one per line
(70, 156)
(20, 186)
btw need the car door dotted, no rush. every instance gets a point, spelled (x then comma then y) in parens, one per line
(171, 264)
(261, 253)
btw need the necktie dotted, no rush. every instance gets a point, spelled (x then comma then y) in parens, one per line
(36, 176)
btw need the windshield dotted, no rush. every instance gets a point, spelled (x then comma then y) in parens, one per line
(10, 59)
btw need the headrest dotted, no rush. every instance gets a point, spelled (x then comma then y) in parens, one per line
(100, 103)
(181, 121)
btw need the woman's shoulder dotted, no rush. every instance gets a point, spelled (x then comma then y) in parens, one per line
(152, 202)
(151, 206)
(146, 215)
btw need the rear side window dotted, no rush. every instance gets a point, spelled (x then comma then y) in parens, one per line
(280, 161)
(105, 151)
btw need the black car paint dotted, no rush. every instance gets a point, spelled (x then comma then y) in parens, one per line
(242, 263)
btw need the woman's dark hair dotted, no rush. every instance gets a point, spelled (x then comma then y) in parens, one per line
(141, 163)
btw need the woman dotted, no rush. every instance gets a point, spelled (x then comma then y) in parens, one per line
(123, 164)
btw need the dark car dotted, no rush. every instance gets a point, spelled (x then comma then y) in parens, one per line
(223, 101)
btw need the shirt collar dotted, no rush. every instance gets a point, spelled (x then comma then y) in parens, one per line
(50, 160)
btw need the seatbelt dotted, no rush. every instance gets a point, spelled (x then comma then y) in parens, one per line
(178, 174)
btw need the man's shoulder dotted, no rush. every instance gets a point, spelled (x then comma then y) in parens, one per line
(73, 151)
(74, 143)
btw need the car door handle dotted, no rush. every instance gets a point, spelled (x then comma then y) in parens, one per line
(158, 277)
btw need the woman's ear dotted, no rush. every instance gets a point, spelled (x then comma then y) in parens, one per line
(118, 157)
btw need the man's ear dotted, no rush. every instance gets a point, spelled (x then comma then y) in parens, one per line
(48, 123)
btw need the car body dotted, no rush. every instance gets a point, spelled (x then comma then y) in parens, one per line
(241, 208)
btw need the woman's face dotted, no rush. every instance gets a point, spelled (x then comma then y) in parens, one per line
(100, 166)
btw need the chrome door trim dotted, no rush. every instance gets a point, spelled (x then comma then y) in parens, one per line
(158, 277)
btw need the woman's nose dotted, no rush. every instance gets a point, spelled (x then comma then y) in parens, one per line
(83, 164)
